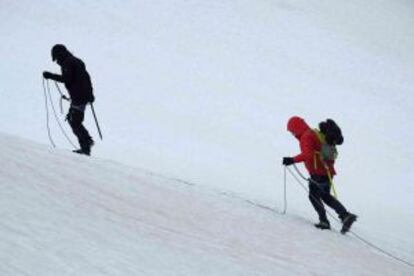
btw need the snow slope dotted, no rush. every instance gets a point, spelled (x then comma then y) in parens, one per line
(201, 91)
(64, 214)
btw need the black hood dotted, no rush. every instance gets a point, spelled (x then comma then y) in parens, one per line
(59, 53)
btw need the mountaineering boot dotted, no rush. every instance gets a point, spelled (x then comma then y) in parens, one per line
(82, 151)
(86, 147)
(347, 222)
(323, 225)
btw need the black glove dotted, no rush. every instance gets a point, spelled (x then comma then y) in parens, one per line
(47, 75)
(288, 161)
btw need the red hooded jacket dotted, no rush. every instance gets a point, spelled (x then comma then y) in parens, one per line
(310, 145)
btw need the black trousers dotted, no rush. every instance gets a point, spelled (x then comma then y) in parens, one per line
(319, 193)
(75, 118)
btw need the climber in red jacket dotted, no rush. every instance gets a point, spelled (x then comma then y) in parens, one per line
(321, 171)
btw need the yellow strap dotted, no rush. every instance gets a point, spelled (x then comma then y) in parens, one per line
(331, 183)
(315, 165)
(321, 138)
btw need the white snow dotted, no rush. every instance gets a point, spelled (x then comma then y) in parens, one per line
(64, 214)
(201, 91)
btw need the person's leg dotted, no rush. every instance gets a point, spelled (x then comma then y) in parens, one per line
(331, 201)
(75, 118)
(324, 188)
(315, 199)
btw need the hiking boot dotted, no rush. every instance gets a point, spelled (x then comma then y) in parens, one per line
(91, 142)
(86, 147)
(347, 222)
(83, 151)
(323, 225)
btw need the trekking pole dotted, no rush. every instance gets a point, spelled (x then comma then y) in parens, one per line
(96, 121)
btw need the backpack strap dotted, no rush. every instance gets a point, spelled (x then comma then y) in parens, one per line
(318, 155)
(331, 183)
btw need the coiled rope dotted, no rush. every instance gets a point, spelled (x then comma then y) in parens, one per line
(364, 240)
(47, 116)
(46, 89)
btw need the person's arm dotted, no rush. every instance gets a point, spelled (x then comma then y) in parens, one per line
(67, 74)
(307, 151)
(52, 76)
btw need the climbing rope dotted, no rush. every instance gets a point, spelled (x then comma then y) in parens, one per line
(62, 97)
(364, 240)
(284, 192)
(47, 116)
(47, 94)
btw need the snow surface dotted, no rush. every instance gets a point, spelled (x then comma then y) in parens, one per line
(64, 214)
(201, 91)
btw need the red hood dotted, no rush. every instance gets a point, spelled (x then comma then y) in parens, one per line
(297, 126)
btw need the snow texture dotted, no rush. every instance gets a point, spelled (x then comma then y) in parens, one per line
(201, 91)
(64, 214)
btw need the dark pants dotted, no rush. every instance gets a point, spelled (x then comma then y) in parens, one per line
(75, 118)
(319, 193)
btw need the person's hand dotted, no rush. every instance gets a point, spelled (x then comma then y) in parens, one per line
(47, 75)
(288, 161)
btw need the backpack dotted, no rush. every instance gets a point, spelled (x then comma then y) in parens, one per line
(330, 135)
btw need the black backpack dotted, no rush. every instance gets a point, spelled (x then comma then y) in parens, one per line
(332, 132)
(330, 135)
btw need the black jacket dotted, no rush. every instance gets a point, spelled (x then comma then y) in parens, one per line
(76, 79)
